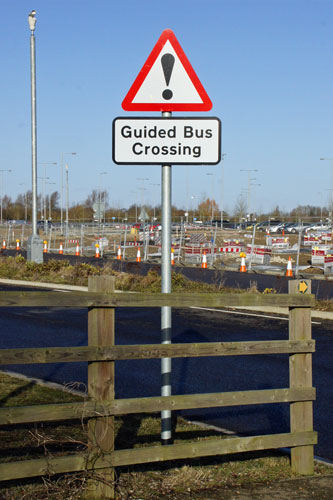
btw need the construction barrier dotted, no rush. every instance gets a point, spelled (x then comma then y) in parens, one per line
(261, 254)
(318, 254)
(233, 243)
(277, 242)
(328, 264)
(310, 240)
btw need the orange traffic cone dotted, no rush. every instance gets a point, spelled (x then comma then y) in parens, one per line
(242, 268)
(204, 261)
(172, 257)
(289, 271)
(4, 245)
(77, 250)
(97, 255)
(45, 247)
(18, 245)
(138, 255)
(282, 232)
(119, 253)
(61, 250)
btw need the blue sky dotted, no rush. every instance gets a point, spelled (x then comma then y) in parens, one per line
(265, 64)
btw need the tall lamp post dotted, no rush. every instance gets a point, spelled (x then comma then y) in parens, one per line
(331, 200)
(62, 189)
(211, 203)
(50, 208)
(1, 189)
(25, 202)
(249, 170)
(35, 244)
(100, 201)
(44, 195)
(222, 187)
(155, 185)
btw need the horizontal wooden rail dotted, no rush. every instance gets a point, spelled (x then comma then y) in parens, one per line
(151, 351)
(87, 409)
(74, 463)
(177, 300)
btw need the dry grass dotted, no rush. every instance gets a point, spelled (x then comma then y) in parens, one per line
(171, 480)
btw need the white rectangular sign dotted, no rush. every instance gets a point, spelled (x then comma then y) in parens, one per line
(166, 141)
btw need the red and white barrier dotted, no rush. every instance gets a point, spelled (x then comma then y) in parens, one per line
(318, 254)
(261, 254)
(277, 242)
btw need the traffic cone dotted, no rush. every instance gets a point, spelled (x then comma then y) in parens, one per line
(138, 255)
(3, 244)
(61, 250)
(242, 268)
(289, 271)
(119, 253)
(18, 245)
(204, 261)
(77, 250)
(282, 232)
(97, 255)
(172, 257)
(45, 247)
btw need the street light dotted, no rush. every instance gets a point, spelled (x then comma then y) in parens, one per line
(1, 188)
(211, 203)
(62, 188)
(222, 187)
(156, 185)
(136, 204)
(25, 202)
(35, 244)
(249, 170)
(143, 179)
(44, 195)
(254, 199)
(50, 209)
(331, 202)
(99, 205)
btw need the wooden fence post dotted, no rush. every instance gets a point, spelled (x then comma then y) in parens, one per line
(101, 332)
(300, 374)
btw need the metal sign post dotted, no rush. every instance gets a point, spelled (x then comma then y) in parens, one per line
(166, 435)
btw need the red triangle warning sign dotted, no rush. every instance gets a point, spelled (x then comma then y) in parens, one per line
(167, 81)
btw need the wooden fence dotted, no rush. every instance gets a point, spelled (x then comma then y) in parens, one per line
(101, 407)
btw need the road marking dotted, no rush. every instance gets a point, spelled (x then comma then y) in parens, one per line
(227, 311)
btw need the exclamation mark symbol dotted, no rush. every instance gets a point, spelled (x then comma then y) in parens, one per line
(167, 61)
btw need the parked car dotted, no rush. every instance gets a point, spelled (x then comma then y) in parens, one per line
(318, 226)
(262, 226)
(298, 227)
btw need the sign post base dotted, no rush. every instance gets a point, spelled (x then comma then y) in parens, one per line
(35, 249)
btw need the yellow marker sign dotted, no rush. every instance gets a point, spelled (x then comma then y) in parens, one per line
(302, 287)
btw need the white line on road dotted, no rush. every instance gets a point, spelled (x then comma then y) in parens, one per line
(227, 311)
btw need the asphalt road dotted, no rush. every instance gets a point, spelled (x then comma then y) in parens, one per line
(28, 327)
